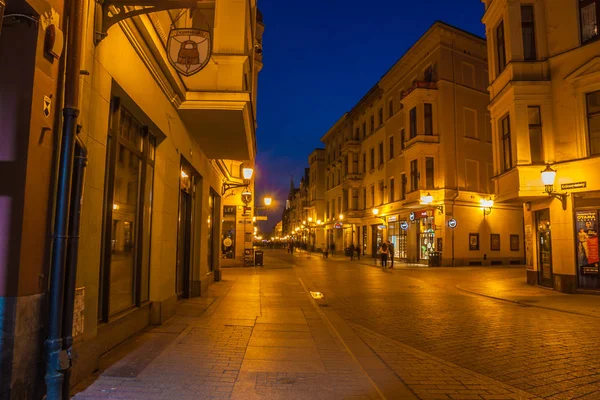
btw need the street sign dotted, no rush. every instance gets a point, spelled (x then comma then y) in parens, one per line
(261, 217)
(574, 185)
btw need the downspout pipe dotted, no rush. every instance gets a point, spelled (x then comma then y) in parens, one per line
(71, 259)
(56, 358)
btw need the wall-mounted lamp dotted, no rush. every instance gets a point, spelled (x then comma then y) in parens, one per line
(246, 173)
(428, 199)
(375, 212)
(341, 217)
(486, 206)
(548, 177)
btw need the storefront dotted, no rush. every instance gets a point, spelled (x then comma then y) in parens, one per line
(376, 238)
(544, 246)
(424, 220)
(228, 232)
(586, 241)
(397, 235)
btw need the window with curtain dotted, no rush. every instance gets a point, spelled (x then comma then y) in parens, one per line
(507, 162)
(535, 134)
(413, 122)
(589, 15)
(414, 175)
(500, 48)
(528, 32)
(593, 117)
(429, 173)
(428, 111)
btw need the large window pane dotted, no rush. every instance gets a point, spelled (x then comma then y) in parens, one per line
(593, 115)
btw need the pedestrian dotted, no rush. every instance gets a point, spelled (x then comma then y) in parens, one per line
(332, 249)
(391, 253)
(383, 250)
(324, 250)
(289, 248)
(351, 251)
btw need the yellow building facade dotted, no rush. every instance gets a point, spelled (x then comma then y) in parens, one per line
(162, 208)
(412, 161)
(545, 104)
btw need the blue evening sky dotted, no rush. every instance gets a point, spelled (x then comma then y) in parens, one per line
(319, 59)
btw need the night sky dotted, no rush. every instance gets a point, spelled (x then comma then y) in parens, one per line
(319, 59)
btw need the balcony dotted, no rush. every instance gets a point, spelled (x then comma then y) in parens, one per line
(419, 85)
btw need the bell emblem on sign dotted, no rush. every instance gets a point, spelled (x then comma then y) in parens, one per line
(188, 50)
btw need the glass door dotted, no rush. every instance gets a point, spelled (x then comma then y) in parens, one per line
(544, 242)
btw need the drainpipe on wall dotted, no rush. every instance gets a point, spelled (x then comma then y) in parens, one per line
(71, 259)
(455, 146)
(56, 358)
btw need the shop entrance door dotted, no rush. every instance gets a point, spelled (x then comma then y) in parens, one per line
(184, 244)
(376, 238)
(544, 244)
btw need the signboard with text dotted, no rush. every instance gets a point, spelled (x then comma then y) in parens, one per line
(573, 185)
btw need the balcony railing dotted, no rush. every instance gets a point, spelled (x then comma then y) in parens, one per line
(419, 85)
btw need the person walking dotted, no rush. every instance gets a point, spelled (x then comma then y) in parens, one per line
(391, 254)
(358, 252)
(351, 251)
(383, 250)
(324, 250)
(332, 249)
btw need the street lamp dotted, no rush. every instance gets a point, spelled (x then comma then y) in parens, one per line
(247, 173)
(486, 206)
(267, 201)
(548, 177)
(428, 199)
(341, 217)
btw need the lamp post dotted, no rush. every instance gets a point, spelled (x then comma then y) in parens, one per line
(548, 177)
(486, 206)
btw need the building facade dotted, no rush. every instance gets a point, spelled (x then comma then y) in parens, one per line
(161, 147)
(412, 161)
(545, 103)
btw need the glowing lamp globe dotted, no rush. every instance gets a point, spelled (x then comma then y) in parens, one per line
(548, 176)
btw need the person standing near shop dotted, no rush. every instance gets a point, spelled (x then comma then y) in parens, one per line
(391, 253)
(383, 250)
(351, 251)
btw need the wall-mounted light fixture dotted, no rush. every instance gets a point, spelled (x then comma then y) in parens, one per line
(428, 199)
(375, 212)
(247, 175)
(486, 206)
(548, 177)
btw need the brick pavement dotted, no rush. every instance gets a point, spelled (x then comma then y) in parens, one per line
(546, 353)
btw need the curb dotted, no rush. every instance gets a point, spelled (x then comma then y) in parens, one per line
(521, 304)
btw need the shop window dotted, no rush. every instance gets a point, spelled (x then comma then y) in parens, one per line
(413, 122)
(528, 32)
(593, 117)
(589, 12)
(500, 48)
(429, 173)
(428, 115)
(507, 162)
(228, 232)
(536, 147)
(129, 183)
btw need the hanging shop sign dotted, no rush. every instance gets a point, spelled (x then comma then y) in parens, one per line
(189, 50)
(452, 223)
(404, 225)
(418, 214)
(380, 227)
(338, 225)
(229, 210)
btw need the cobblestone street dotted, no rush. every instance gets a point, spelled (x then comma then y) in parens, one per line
(462, 333)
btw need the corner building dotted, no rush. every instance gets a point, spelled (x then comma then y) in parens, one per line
(417, 149)
(545, 111)
(160, 147)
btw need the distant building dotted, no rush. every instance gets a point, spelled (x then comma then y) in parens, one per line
(417, 149)
(544, 71)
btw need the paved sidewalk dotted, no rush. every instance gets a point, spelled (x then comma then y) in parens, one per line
(257, 334)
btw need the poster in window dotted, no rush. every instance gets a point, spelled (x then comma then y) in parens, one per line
(495, 242)
(514, 242)
(587, 242)
(473, 241)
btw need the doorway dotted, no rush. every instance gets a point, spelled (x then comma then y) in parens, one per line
(376, 239)
(185, 232)
(544, 244)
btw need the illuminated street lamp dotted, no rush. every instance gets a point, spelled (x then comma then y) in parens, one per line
(319, 222)
(375, 212)
(548, 177)
(486, 206)
(267, 201)
(247, 173)
(341, 217)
